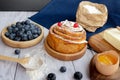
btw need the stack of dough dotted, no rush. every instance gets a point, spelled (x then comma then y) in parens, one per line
(67, 37)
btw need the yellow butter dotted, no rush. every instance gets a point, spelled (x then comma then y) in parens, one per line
(112, 36)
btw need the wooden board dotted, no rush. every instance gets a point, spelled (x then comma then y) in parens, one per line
(62, 56)
(99, 44)
(95, 75)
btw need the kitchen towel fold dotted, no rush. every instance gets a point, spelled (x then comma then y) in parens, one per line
(59, 10)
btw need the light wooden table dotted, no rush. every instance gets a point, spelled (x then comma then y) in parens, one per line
(14, 71)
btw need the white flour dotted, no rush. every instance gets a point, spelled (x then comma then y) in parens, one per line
(35, 61)
(92, 9)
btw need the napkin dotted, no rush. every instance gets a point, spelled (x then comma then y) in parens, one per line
(59, 10)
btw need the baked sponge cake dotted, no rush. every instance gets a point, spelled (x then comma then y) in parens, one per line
(66, 37)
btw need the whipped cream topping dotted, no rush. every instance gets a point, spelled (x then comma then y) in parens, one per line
(70, 26)
(92, 9)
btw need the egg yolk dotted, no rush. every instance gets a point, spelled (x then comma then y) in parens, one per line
(107, 59)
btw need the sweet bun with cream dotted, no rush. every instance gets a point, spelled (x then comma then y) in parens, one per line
(66, 37)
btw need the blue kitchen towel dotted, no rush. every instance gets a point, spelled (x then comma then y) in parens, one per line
(59, 10)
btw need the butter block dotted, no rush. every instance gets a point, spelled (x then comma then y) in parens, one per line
(112, 36)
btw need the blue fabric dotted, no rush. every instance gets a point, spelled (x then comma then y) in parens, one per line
(59, 10)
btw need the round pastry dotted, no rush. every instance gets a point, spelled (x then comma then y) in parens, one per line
(67, 37)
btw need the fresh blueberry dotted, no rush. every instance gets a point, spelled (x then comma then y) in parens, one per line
(32, 26)
(29, 33)
(15, 29)
(34, 31)
(35, 26)
(39, 32)
(51, 76)
(24, 37)
(27, 22)
(19, 34)
(22, 30)
(17, 38)
(20, 27)
(63, 69)
(30, 37)
(13, 26)
(17, 51)
(35, 36)
(12, 36)
(78, 75)
(23, 23)
(18, 24)
(7, 34)
(9, 29)
(26, 27)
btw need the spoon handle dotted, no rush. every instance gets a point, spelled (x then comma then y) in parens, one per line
(8, 58)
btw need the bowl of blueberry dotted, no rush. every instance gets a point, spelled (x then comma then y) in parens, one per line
(22, 34)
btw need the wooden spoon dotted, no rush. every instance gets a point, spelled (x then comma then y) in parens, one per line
(23, 61)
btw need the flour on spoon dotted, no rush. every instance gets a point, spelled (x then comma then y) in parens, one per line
(35, 67)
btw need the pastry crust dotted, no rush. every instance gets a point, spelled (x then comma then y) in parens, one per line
(65, 41)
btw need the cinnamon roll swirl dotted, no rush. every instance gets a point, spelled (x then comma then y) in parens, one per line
(67, 37)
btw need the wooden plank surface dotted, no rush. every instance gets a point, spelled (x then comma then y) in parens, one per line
(8, 69)
(13, 71)
(82, 64)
